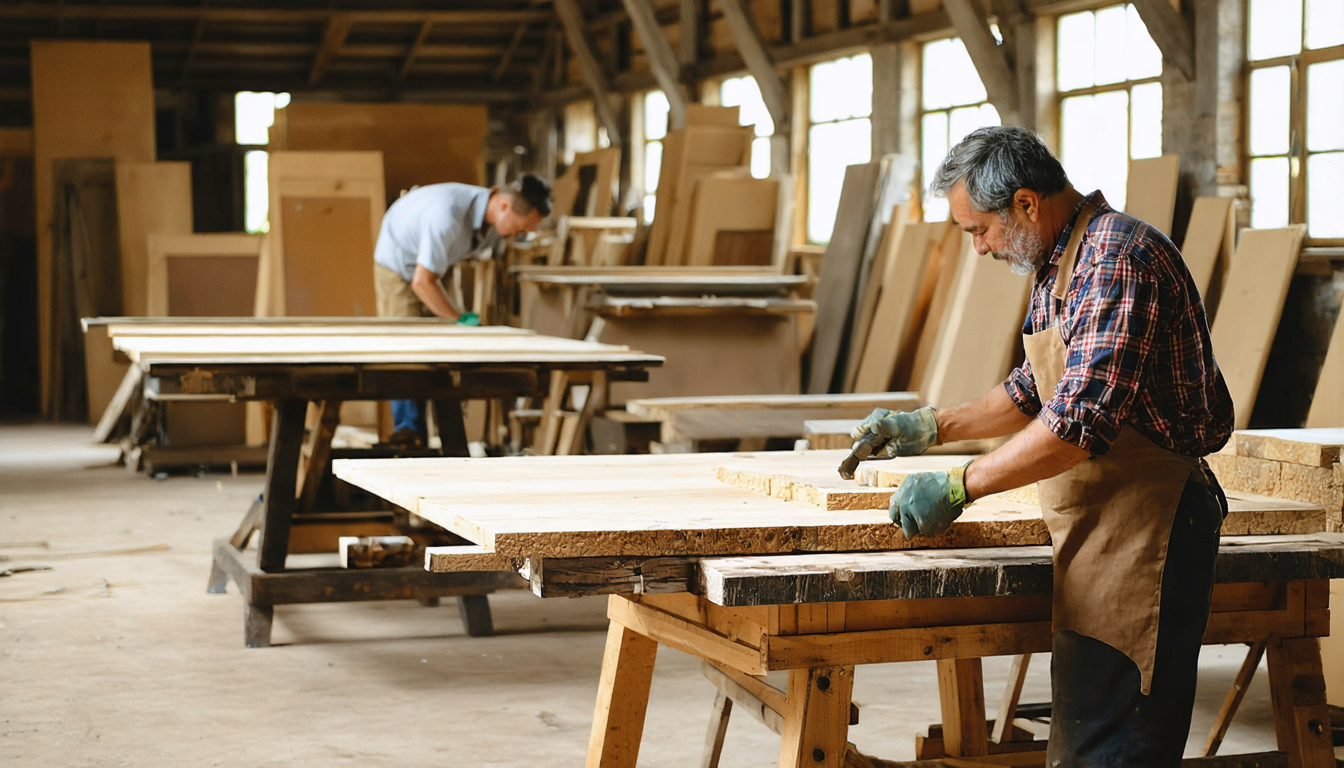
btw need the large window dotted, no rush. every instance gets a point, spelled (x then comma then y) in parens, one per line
(1296, 115)
(742, 92)
(953, 103)
(253, 115)
(655, 111)
(840, 95)
(1110, 100)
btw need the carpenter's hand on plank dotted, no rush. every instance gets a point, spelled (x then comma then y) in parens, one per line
(907, 433)
(928, 502)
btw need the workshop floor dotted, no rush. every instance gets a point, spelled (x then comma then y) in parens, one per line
(117, 656)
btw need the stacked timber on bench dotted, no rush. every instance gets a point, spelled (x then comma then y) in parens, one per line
(751, 583)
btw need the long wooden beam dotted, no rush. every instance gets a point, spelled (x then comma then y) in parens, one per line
(510, 52)
(333, 38)
(1172, 33)
(576, 34)
(219, 13)
(662, 61)
(416, 47)
(760, 63)
(995, 71)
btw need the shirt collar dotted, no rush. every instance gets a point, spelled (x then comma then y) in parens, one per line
(1098, 201)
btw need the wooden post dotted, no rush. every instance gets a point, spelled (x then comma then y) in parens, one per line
(961, 689)
(1233, 700)
(718, 729)
(816, 717)
(317, 452)
(622, 698)
(747, 36)
(1297, 692)
(991, 63)
(282, 465)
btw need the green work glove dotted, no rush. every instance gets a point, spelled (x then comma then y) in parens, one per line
(928, 502)
(469, 318)
(907, 433)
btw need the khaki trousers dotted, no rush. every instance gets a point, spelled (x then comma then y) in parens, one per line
(395, 296)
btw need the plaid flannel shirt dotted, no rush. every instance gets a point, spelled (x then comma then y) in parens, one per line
(1138, 346)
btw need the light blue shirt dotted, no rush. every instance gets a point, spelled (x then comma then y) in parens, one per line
(434, 226)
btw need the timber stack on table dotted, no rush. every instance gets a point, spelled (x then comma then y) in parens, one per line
(791, 568)
(293, 364)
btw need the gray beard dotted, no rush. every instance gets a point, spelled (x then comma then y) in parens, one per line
(1024, 252)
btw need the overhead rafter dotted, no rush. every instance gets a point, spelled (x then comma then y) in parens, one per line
(1172, 32)
(759, 62)
(690, 23)
(663, 62)
(62, 11)
(576, 34)
(196, 34)
(993, 66)
(510, 52)
(333, 38)
(416, 47)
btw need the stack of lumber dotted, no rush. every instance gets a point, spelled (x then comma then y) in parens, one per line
(1300, 464)
(709, 208)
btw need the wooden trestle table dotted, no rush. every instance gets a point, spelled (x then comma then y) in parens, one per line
(306, 361)
(751, 584)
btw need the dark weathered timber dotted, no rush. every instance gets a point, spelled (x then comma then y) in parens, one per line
(282, 468)
(475, 613)
(575, 577)
(452, 430)
(251, 521)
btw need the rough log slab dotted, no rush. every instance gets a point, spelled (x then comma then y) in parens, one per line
(576, 577)
(1309, 447)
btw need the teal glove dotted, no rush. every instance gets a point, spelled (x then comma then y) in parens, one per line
(928, 502)
(469, 318)
(907, 433)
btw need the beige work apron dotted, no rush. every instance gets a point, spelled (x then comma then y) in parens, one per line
(1110, 516)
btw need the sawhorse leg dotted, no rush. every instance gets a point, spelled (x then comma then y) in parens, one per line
(961, 690)
(816, 717)
(1297, 692)
(622, 699)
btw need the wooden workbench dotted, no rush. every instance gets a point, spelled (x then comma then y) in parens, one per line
(326, 364)
(752, 583)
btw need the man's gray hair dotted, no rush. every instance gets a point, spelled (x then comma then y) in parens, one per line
(997, 161)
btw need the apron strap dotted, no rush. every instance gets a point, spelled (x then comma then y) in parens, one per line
(1064, 275)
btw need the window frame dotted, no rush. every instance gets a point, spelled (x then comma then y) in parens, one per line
(805, 210)
(921, 112)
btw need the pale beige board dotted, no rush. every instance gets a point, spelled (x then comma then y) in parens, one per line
(872, 291)
(1310, 447)
(90, 100)
(673, 151)
(597, 202)
(151, 198)
(1151, 193)
(163, 248)
(703, 114)
(695, 146)
(732, 202)
(682, 210)
(835, 434)
(1204, 238)
(984, 320)
(1327, 405)
(1257, 284)
(895, 306)
(931, 305)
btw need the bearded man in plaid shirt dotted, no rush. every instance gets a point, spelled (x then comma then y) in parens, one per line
(1118, 401)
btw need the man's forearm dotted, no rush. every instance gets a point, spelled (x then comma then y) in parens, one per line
(429, 289)
(993, 414)
(1034, 454)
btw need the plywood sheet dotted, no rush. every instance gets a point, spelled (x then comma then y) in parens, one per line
(1205, 238)
(151, 198)
(1327, 405)
(895, 310)
(728, 203)
(975, 345)
(1257, 284)
(1151, 193)
(206, 275)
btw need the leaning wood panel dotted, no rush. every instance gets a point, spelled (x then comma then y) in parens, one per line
(206, 275)
(1204, 239)
(895, 307)
(151, 197)
(1327, 405)
(1257, 284)
(1151, 192)
(89, 100)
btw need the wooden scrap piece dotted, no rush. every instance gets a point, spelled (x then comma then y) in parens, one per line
(1327, 405)
(1151, 192)
(1256, 286)
(467, 557)
(1205, 238)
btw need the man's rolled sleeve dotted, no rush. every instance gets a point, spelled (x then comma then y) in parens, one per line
(1021, 387)
(1112, 331)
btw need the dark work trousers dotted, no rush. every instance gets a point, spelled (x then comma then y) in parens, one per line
(1099, 718)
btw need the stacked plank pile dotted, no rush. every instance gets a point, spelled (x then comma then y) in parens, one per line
(1301, 464)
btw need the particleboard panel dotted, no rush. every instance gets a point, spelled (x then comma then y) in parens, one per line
(691, 176)
(691, 151)
(731, 203)
(1257, 284)
(1327, 405)
(1151, 193)
(975, 345)
(581, 506)
(1205, 238)
(421, 143)
(90, 99)
(207, 275)
(326, 208)
(1309, 447)
(1283, 480)
(896, 302)
(151, 197)
(700, 418)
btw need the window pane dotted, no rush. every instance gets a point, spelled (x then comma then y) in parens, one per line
(842, 89)
(1093, 137)
(1325, 23)
(656, 110)
(1077, 51)
(760, 157)
(950, 78)
(832, 147)
(256, 194)
(650, 203)
(1275, 28)
(653, 165)
(1144, 57)
(742, 92)
(1111, 63)
(1145, 114)
(1269, 111)
(966, 119)
(253, 113)
(933, 138)
(1325, 195)
(1269, 192)
(1325, 106)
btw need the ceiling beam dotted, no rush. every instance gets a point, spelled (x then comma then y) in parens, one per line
(993, 66)
(510, 52)
(196, 34)
(333, 38)
(662, 61)
(759, 61)
(576, 34)
(690, 22)
(409, 61)
(263, 15)
(1172, 32)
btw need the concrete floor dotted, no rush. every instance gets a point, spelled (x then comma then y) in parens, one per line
(124, 660)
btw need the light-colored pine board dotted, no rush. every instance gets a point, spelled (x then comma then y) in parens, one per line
(1151, 193)
(895, 306)
(1327, 405)
(190, 275)
(892, 233)
(1204, 239)
(1257, 284)
(980, 331)
(1310, 447)
(152, 198)
(682, 213)
(247, 326)
(931, 307)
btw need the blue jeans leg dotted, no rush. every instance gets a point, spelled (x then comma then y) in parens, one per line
(409, 414)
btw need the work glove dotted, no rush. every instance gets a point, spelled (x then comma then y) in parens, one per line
(906, 433)
(928, 502)
(469, 318)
